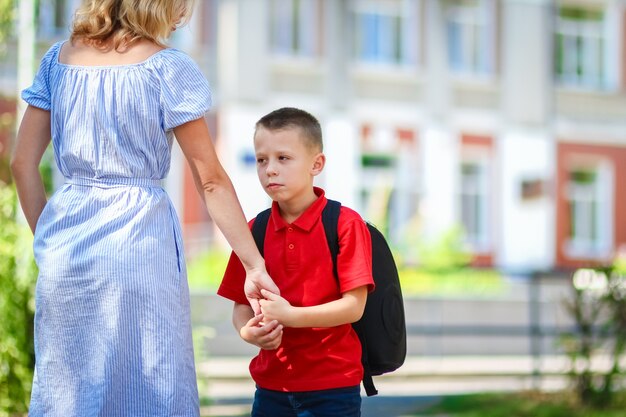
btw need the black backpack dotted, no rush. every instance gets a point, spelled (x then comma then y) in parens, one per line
(382, 329)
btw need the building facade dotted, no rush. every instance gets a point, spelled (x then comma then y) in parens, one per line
(505, 119)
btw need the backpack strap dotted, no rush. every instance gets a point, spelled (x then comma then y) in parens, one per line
(259, 228)
(330, 219)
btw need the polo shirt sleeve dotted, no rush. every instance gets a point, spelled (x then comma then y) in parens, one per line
(232, 283)
(354, 261)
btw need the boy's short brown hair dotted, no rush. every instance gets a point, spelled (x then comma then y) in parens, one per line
(291, 117)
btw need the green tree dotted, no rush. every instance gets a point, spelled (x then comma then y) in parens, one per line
(599, 311)
(17, 277)
(7, 14)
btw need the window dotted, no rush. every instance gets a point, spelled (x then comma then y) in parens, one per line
(295, 27)
(475, 203)
(470, 33)
(589, 206)
(580, 47)
(55, 17)
(386, 32)
(389, 179)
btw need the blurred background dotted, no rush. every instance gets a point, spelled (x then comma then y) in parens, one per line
(485, 138)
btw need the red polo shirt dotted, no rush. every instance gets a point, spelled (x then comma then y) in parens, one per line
(298, 259)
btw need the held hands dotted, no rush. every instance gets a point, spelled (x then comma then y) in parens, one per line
(275, 307)
(267, 336)
(256, 281)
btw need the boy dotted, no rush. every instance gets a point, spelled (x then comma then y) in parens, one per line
(310, 357)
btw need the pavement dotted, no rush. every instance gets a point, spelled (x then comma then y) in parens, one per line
(418, 384)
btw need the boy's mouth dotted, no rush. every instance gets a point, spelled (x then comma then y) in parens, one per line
(273, 185)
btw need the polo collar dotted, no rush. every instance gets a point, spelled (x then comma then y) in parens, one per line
(307, 220)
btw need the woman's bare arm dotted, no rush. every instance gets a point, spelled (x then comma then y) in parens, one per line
(32, 140)
(215, 187)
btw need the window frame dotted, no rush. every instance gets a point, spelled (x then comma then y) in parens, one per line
(386, 154)
(478, 238)
(401, 47)
(484, 44)
(605, 33)
(295, 28)
(598, 243)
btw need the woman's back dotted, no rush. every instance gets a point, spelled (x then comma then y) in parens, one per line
(112, 287)
(115, 120)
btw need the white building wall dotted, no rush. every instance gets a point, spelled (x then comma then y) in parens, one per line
(526, 148)
(236, 150)
(527, 62)
(527, 226)
(341, 174)
(440, 159)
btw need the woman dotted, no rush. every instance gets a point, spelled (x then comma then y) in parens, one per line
(112, 331)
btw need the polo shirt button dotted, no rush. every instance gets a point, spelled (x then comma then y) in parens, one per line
(290, 229)
(291, 246)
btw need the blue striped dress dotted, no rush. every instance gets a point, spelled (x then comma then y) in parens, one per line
(112, 322)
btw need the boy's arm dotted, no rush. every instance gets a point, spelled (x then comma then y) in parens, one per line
(253, 330)
(348, 309)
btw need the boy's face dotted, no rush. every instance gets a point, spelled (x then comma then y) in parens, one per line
(286, 166)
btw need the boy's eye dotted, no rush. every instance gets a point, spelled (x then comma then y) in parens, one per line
(260, 160)
(282, 158)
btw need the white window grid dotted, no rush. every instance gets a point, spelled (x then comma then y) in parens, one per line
(392, 192)
(583, 48)
(294, 26)
(475, 201)
(590, 208)
(386, 32)
(55, 18)
(470, 30)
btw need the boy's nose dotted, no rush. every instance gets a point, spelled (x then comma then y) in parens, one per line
(270, 170)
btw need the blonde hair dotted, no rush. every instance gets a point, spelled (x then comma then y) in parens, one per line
(126, 21)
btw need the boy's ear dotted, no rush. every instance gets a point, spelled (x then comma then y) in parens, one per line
(318, 164)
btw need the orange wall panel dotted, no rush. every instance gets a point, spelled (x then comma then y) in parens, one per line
(617, 156)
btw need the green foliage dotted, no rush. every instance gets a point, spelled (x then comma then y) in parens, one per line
(523, 404)
(205, 272)
(46, 170)
(619, 264)
(599, 311)
(446, 254)
(17, 277)
(464, 282)
(7, 14)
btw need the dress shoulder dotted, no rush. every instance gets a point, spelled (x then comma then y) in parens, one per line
(38, 94)
(184, 90)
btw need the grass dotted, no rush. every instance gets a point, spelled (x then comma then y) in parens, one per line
(522, 404)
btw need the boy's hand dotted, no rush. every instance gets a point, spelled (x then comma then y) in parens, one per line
(267, 336)
(275, 307)
(255, 282)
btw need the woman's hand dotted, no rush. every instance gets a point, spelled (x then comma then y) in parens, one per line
(257, 280)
